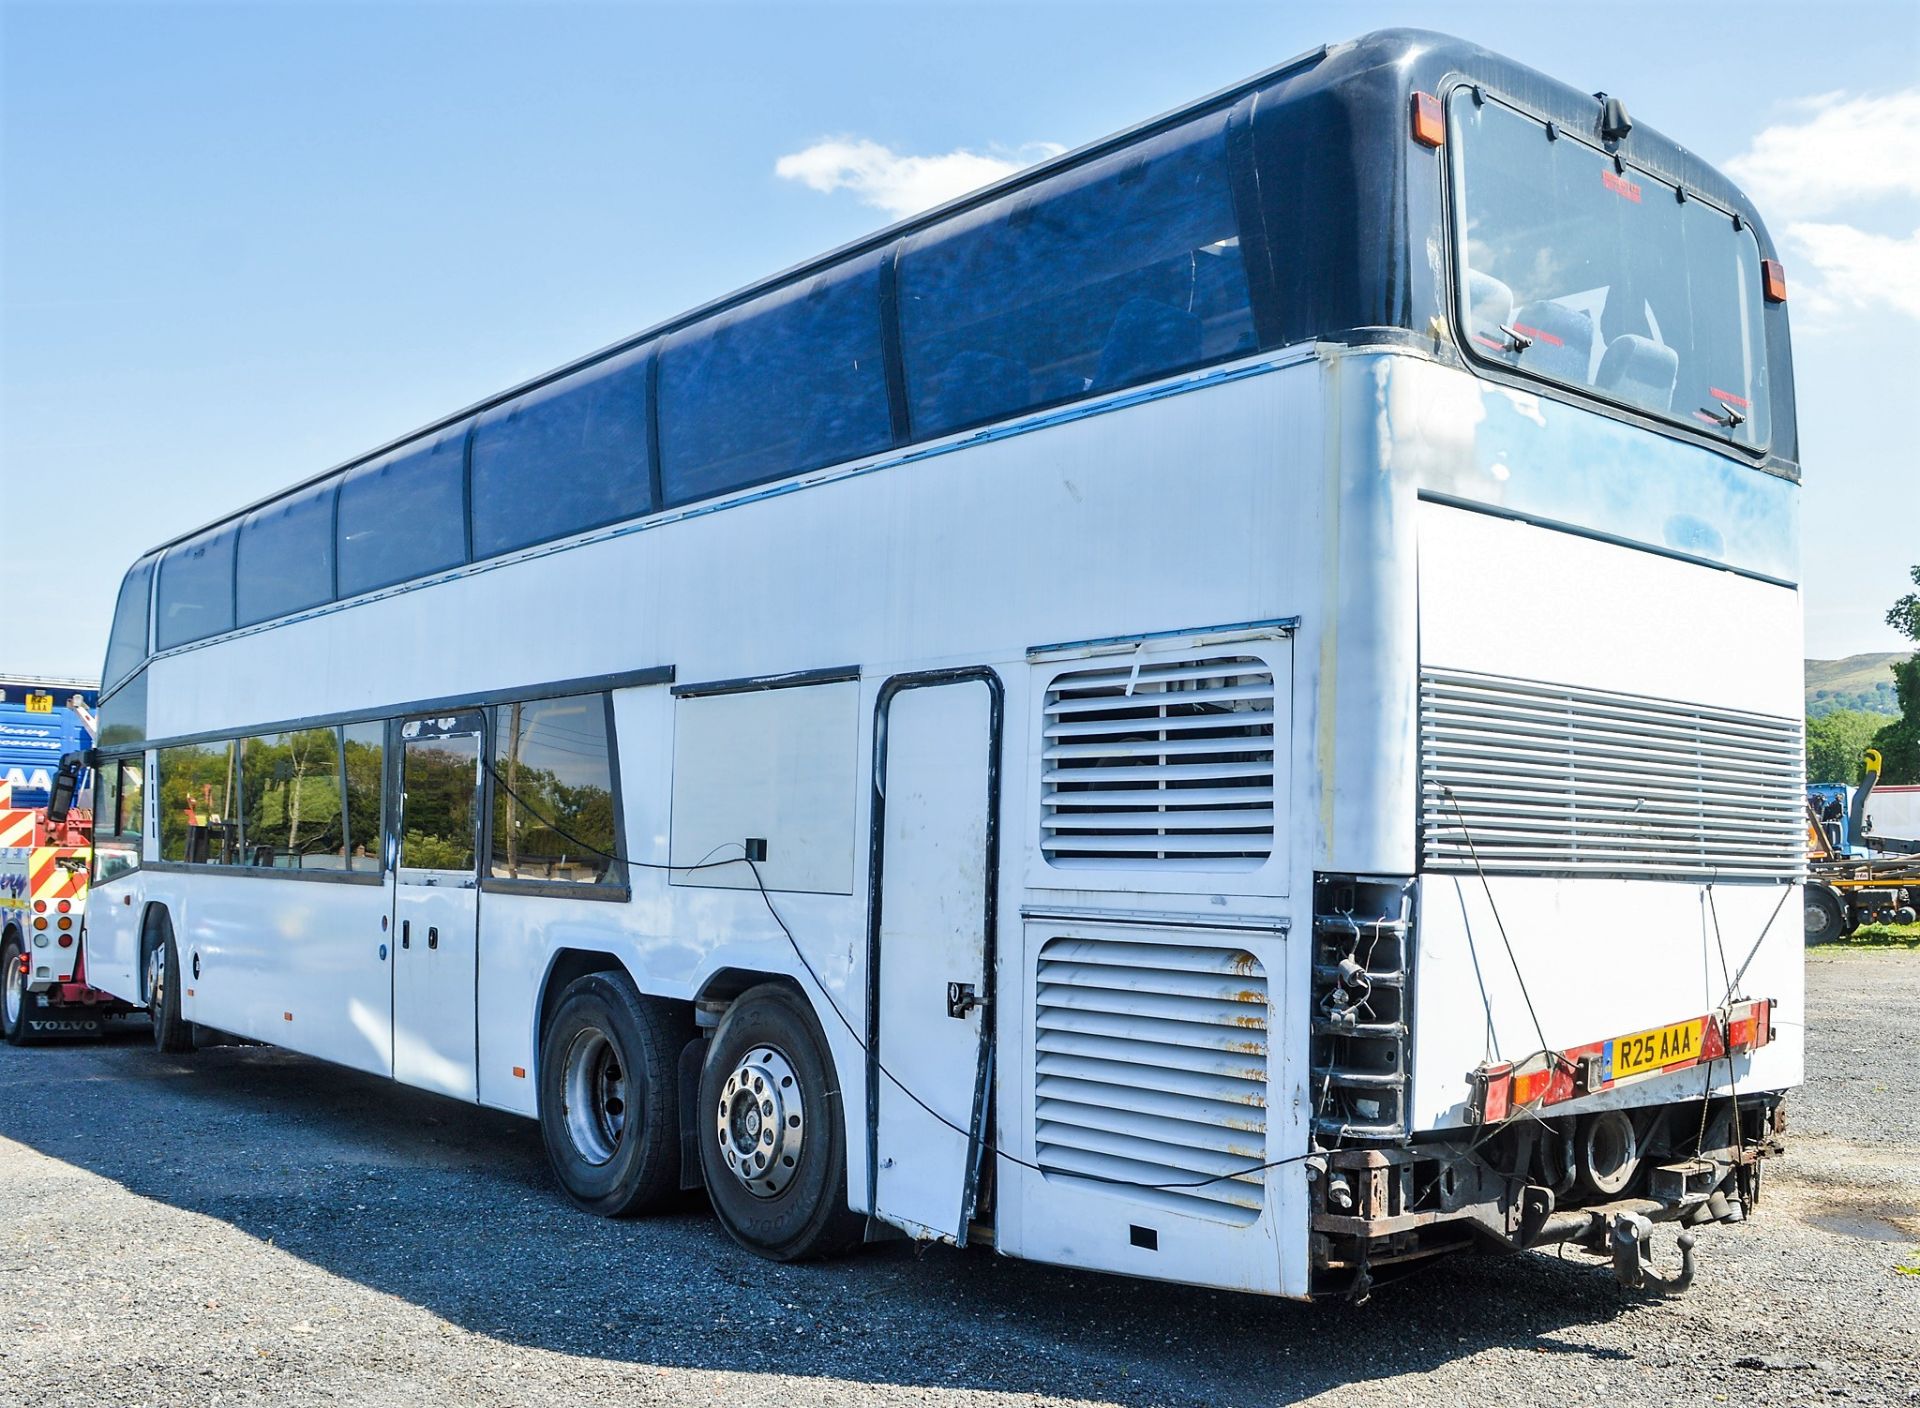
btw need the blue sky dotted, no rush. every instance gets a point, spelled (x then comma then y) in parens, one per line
(239, 243)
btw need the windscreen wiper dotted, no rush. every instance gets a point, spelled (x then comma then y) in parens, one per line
(1728, 417)
(1517, 341)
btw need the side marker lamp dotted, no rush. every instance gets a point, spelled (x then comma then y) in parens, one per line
(1773, 280)
(1429, 121)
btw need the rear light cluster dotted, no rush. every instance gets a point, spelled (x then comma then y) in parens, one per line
(1500, 1089)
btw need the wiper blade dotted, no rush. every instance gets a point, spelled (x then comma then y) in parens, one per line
(1728, 417)
(1517, 341)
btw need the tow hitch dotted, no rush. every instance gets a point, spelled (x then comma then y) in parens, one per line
(1633, 1260)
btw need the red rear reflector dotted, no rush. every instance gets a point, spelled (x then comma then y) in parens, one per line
(1429, 120)
(1773, 280)
(64, 906)
(39, 906)
(66, 941)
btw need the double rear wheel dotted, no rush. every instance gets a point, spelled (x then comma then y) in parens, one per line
(767, 1122)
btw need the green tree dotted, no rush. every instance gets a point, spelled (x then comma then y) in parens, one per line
(1835, 742)
(1899, 741)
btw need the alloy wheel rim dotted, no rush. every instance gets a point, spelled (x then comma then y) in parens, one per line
(761, 1121)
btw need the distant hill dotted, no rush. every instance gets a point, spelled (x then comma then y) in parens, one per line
(1857, 682)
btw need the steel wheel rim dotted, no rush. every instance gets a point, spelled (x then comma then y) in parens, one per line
(16, 991)
(593, 1086)
(156, 978)
(761, 1121)
(1819, 919)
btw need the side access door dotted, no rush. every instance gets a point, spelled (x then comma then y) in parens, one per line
(930, 947)
(436, 909)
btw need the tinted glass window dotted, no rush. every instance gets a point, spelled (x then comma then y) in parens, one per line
(198, 788)
(362, 750)
(438, 780)
(290, 800)
(1602, 279)
(127, 644)
(1113, 274)
(196, 589)
(284, 561)
(123, 716)
(553, 791)
(117, 819)
(404, 516)
(565, 458)
(791, 382)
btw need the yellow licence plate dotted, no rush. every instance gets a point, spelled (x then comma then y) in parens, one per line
(1651, 1050)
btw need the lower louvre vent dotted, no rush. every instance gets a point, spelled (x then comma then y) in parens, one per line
(1152, 1069)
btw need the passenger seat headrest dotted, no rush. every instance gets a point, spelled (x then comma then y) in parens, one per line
(1640, 370)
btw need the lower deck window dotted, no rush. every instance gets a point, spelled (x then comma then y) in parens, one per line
(553, 813)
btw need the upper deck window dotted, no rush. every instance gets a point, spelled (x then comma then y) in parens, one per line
(404, 515)
(127, 642)
(789, 382)
(1117, 273)
(1605, 280)
(196, 589)
(284, 562)
(563, 459)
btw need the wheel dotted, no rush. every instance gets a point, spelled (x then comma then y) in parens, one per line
(17, 1006)
(773, 1143)
(172, 1034)
(610, 1095)
(1826, 915)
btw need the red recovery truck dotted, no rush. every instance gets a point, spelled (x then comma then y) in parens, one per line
(43, 898)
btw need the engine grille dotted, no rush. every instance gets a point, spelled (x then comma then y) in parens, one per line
(1152, 1069)
(1523, 777)
(1167, 766)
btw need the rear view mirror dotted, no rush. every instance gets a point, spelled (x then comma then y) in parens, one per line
(66, 783)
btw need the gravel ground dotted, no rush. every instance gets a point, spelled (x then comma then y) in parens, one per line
(244, 1226)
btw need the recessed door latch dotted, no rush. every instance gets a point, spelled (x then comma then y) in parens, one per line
(962, 999)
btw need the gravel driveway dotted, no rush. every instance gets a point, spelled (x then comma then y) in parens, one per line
(245, 1226)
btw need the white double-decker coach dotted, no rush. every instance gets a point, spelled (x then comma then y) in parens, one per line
(1224, 709)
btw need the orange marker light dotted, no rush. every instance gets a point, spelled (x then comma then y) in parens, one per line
(520, 1072)
(1429, 121)
(1773, 280)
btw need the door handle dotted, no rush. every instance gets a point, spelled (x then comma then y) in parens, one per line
(406, 933)
(962, 999)
(433, 938)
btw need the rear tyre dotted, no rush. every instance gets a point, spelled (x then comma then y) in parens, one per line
(18, 1007)
(172, 1034)
(610, 1095)
(773, 1144)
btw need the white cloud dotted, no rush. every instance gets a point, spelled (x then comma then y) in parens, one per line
(1857, 269)
(1846, 150)
(1850, 159)
(900, 185)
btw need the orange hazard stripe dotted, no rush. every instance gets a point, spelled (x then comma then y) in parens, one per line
(49, 879)
(18, 827)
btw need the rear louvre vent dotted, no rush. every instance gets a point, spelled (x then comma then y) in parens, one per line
(1152, 1069)
(1167, 766)
(1521, 777)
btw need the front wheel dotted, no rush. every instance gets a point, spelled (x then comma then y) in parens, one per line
(17, 1005)
(773, 1144)
(171, 1032)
